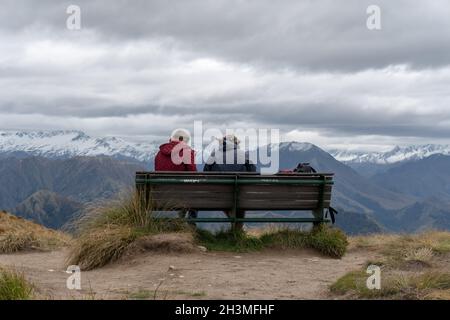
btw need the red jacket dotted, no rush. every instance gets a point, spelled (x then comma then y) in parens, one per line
(185, 157)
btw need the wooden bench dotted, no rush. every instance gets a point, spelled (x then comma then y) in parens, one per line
(213, 191)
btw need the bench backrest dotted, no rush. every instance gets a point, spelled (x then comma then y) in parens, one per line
(224, 191)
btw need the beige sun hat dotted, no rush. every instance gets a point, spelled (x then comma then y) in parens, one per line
(180, 135)
(231, 138)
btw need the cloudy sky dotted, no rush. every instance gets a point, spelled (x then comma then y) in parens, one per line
(309, 68)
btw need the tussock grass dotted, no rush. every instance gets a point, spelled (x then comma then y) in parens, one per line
(107, 230)
(402, 251)
(428, 285)
(352, 282)
(17, 234)
(102, 246)
(413, 267)
(437, 241)
(14, 286)
(423, 255)
(328, 241)
(143, 294)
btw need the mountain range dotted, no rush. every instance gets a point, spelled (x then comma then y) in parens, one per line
(71, 143)
(371, 163)
(49, 177)
(60, 144)
(396, 155)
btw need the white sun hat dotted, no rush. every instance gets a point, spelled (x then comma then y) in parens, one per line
(180, 135)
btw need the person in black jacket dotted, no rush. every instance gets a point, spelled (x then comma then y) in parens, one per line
(229, 158)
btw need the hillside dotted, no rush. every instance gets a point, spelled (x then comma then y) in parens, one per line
(48, 209)
(82, 179)
(18, 234)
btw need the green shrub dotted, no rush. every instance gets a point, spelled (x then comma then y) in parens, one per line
(354, 281)
(14, 286)
(329, 241)
(229, 240)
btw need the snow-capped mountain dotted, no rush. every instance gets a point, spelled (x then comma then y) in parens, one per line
(66, 144)
(294, 146)
(397, 154)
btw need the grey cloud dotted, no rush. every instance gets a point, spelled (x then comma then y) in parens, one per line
(290, 48)
(324, 35)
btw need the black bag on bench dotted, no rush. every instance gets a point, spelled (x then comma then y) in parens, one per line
(304, 167)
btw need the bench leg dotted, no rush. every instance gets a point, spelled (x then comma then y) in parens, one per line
(190, 214)
(142, 196)
(238, 226)
(181, 214)
(318, 213)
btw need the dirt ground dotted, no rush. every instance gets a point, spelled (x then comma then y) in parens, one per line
(197, 275)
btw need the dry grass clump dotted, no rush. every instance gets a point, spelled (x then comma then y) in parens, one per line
(401, 251)
(422, 286)
(437, 241)
(108, 230)
(18, 234)
(422, 255)
(166, 242)
(95, 249)
(412, 267)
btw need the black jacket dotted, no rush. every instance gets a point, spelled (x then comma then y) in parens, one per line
(239, 160)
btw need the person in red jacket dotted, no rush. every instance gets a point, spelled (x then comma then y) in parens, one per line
(176, 155)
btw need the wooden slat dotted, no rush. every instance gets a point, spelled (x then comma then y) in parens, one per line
(281, 188)
(192, 196)
(210, 204)
(217, 173)
(283, 196)
(280, 205)
(192, 187)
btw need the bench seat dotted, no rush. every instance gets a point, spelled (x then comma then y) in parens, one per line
(232, 191)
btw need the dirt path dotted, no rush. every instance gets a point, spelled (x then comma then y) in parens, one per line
(209, 275)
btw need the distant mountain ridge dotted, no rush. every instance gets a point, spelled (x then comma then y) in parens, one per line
(397, 154)
(71, 143)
